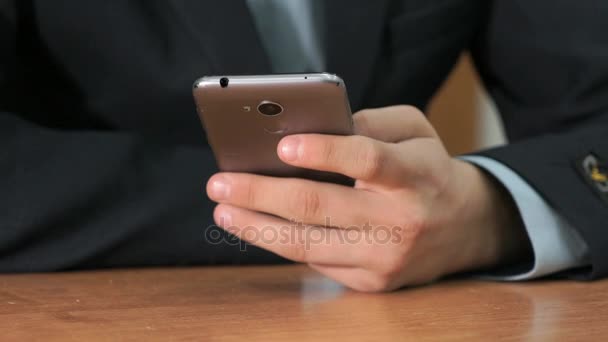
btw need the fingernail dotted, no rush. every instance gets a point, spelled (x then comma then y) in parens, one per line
(220, 189)
(290, 148)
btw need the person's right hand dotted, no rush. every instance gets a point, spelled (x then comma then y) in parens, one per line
(441, 215)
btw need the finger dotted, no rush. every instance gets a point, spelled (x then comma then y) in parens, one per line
(306, 244)
(293, 199)
(358, 157)
(393, 124)
(358, 279)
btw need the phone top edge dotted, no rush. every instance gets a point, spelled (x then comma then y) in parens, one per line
(270, 79)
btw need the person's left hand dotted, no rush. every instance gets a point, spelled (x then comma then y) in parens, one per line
(415, 214)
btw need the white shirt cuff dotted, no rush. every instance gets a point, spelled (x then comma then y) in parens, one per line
(556, 244)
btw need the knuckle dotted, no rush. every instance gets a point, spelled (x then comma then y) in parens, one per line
(419, 119)
(411, 110)
(414, 211)
(392, 264)
(411, 225)
(379, 283)
(361, 120)
(299, 252)
(370, 160)
(328, 153)
(305, 203)
(249, 193)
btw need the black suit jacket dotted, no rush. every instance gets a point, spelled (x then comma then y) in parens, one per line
(103, 161)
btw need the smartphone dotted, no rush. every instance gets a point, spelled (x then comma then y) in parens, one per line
(245, 117)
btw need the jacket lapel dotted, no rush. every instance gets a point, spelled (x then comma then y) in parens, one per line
(226, 34)
(353, 36)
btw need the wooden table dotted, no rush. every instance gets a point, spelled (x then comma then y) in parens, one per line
(289, 303)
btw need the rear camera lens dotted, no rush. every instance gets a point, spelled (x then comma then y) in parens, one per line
(269, 108)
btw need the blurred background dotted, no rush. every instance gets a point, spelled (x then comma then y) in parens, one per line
(463, 114)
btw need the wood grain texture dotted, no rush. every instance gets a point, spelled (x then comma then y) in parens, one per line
(289, 303)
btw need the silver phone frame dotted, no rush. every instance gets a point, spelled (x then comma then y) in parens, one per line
(269, 79)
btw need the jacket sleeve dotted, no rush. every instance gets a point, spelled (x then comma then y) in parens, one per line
(87, 199)
(546, 65)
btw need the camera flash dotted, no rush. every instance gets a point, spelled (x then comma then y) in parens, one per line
(247, 108)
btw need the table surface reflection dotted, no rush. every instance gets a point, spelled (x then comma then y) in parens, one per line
(279, 303)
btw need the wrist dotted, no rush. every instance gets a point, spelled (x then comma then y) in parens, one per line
(491, 223)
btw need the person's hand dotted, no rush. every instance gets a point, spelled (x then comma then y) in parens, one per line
(415, 214)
